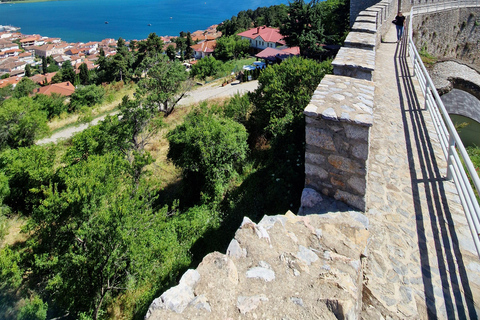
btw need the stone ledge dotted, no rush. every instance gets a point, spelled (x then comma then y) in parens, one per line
(369, 27)
(284, 267)
(361, 40)
(341, 98)
(369, 19)
(355, 63)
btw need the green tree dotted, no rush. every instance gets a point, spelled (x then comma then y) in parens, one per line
(34, 309)
(24, 88)
(28, 71)
(304, 28)
(28, 171)
(231, 47)
(44, 65)
(84, 75)
(284, 91)
(86, 96)
(206, 67)
(171, 52)
(238, 108)
(189, 43)
(210, 149)
(102, 237)
(164, 85)
(53, 105)
(181, 45)
(21, 122)
(68, 74)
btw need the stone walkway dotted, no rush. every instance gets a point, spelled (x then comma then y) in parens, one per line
(422, 262)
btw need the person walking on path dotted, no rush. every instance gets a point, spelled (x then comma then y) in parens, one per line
(400, 24)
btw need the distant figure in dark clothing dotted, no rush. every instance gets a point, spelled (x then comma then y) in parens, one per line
(400, 24)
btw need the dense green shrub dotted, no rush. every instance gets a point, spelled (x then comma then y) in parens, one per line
(21, 122)
(206, 67)
(86, 96)
(208, 146)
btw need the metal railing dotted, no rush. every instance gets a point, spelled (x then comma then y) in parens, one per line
(452, 146)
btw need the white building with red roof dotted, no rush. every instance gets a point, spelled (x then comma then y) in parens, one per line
(263, 37)
(204, 49)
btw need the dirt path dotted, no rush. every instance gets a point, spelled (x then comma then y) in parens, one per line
(206, 92)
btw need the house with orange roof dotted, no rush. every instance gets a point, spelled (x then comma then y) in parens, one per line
(204, 49)
(43, 79)
(30, 41)
(277, 55)
(63, 88)
(108, 43)
(6, 45)
(263, 37)
(12, 66)
(10, 81)
(48, 49)
(12, 52)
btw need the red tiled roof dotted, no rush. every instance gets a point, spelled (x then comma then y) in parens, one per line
(274, 54)
(266, 33)
(206, 46)
(64, 89)
(40, 78)
(11, 80)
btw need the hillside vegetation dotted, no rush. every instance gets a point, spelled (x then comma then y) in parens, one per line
(111, 217)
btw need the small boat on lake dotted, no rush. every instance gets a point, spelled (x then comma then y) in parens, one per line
(106, 22)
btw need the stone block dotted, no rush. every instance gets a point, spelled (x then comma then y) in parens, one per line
(310, 198)
(314, 158)
(315, 172)
(358, 184)
(347, 165)
(360, 40)
(353, 200)
(360, 151)
(319, 138)
(356, 133)
(368, 27)
(355, 63)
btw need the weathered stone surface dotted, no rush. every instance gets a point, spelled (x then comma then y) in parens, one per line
(247, 304)
(310, 198)
(306, 255)
(345, 164)
(201, 303)
(235, 251)
(190, 278)
(361, 40)
(355, 63)
(360, 151)
(177, 298)
(319, 138)
(275, 282)
(316, 171)
(353, 200)
(314, 158)
(261, 273)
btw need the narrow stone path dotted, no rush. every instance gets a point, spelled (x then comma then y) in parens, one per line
(422, 262)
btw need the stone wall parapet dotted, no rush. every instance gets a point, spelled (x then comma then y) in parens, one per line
(340, 113)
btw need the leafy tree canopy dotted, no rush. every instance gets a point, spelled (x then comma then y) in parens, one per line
(284, 91)
(21, 122)
(210, 146)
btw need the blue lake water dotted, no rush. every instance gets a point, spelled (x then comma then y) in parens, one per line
(84, 20)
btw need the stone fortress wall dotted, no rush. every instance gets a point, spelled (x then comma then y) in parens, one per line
(340, 114)
(303, 267)
(452, 35)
